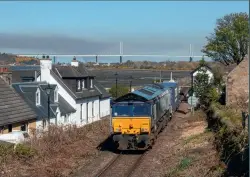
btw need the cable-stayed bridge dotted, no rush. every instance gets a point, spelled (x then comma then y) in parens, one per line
(121, 55)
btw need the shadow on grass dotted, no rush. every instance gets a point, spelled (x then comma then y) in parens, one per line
(238, 165)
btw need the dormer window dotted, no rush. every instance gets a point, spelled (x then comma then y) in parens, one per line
(91, 83)
(83, 84)
(79, 85)
(56, 94)
(38, 94)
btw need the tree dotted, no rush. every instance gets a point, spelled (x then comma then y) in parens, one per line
(218, 77)
(121, 90)
(201, 83)
(229, 42)
(202, 62)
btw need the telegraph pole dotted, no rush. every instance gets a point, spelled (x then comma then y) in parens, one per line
(191, 58)
(121, 51)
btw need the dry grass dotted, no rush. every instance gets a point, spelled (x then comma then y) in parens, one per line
(196, 155)
(231, 139)
(57, 153)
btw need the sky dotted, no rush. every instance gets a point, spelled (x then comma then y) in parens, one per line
(84, 27)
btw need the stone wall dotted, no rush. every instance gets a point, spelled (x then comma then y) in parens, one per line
(237, 90)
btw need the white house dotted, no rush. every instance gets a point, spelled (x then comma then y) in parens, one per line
(200, 69)
(79, 88)
(35, 95)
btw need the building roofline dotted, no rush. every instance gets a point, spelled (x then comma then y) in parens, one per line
(208, 67)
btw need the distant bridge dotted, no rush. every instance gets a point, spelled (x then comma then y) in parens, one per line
(121, 55)
(112, 55)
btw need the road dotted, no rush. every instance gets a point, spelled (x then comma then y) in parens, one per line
(140, 77)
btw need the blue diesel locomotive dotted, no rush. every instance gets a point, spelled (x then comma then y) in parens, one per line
(138, 117)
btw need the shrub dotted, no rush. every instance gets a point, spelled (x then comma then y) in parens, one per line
(24, 151)
(213, 95)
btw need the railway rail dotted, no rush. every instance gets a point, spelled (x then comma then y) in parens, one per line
(122, 165)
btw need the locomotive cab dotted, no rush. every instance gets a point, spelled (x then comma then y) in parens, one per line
(138, 117)
(131, 124)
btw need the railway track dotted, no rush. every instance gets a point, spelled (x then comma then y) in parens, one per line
(122, 165)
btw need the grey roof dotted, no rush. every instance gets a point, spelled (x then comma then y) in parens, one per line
(18, 76)
(62, 75)
(64, 106)
(71, 72)
(13, 108)
(28, 90)
(25, 68)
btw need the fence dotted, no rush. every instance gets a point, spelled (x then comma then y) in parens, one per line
(245, 117)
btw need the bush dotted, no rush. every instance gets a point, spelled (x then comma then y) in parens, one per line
(24, 151)
(230, 139)
(213, 95)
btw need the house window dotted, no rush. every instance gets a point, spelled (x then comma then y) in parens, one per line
(93, 108)
(10, 128)
(79, 85)
(38, 97)
(66, 118)
(91, 83)
(56, 95)
(23, 127)
(87, 114)
(83, 84)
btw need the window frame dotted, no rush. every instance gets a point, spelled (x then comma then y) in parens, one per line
(56, 95)
(91, 83)
(78, 84)
(38, 97)
(93, 104)
(83, 84)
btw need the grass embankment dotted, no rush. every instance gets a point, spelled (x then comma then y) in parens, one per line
(57, 153)
(196, 155)
(231, 139)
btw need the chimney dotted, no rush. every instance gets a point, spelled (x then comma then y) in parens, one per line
(46, 66)
(74, 62)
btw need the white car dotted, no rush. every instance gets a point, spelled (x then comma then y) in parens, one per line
(15, 137)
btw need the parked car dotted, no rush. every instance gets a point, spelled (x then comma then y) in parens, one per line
(15, 137)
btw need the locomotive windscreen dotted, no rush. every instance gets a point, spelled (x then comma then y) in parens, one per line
(131, 110)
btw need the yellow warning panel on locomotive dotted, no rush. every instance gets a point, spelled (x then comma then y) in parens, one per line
(131, 125)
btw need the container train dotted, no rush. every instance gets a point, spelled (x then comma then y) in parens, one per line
(139, 116)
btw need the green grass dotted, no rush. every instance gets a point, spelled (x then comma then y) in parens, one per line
(230, 116)
(184, 164)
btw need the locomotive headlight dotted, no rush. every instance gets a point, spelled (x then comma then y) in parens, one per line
(118, 129)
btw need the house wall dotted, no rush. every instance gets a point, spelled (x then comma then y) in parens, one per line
(39, 124)
(104, 107)
(17, 126)
(88, 115)
(208, 72)
(237, 84)
(83, 114)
